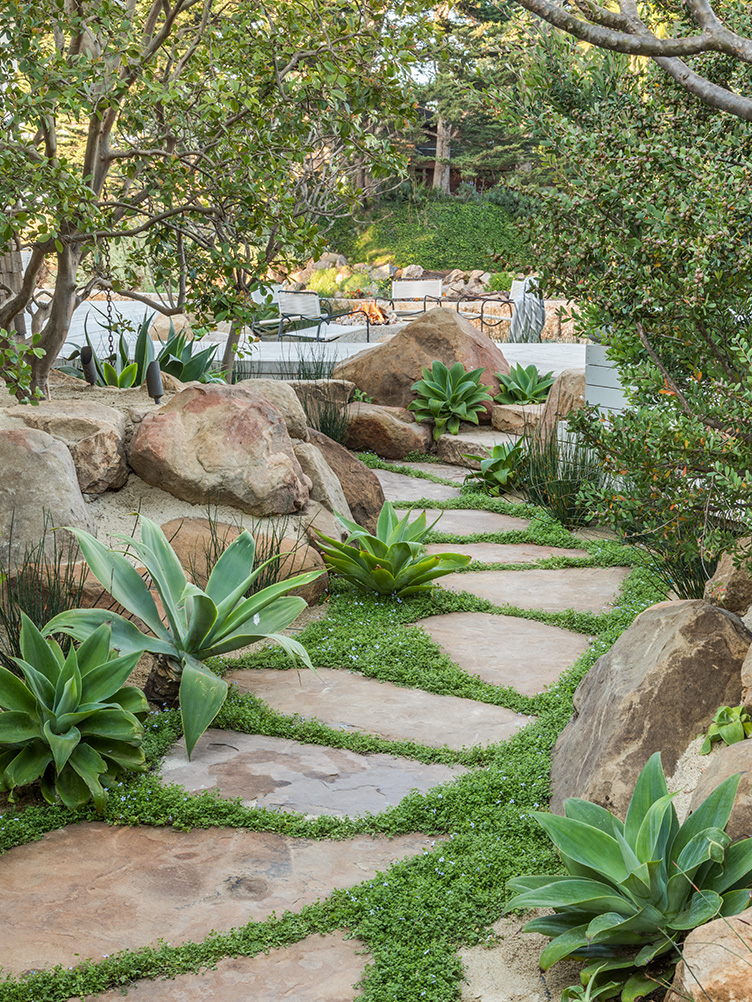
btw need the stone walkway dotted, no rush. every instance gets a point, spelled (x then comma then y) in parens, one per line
(89, 890)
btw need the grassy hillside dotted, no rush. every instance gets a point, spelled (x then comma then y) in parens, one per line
(436, 234)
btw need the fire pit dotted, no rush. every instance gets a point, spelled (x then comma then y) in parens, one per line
(377, 315)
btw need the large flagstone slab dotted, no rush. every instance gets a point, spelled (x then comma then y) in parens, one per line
(353, 702)
(505, 553)
(317, 969)
(89, 890)
(444, 470)
(286, 775)
(586, 589)
(465, 521)
(506, 650)
(398, 487)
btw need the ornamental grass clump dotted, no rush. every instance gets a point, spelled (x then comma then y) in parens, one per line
(71, 723)
(197, 624)
(394, 561)
(634, 889)
(448, 396)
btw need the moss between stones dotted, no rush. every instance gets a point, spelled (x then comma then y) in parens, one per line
(415, 915)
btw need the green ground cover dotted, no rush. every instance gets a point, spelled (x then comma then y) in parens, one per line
(414, 916)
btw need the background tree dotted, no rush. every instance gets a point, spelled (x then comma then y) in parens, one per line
(208, 138)
(645, 223)
(673, 33)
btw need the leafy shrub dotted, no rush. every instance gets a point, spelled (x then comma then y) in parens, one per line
(448, 396)
(394, 561)
(633, 890)
(197, 624)
(523, 385)
(730, 725)
(498, 468)
(324, 281)
(46, 580)
(72, 724)
(501, 281)
(554, 473)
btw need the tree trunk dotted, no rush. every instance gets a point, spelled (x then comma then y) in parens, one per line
(163, 684)
(11, 276)
(443, 152)
(231, 347)
(55, 331)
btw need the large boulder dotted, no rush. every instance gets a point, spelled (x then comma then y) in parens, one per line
(94, 434)
(39, 483)
(197, 544)
(390, 432)
(655, 690)
(747, 679)
(388, 371)
(333, 392)
(731, 585)
(361, 486)
(722, 763)
(224, 444)
(325, 488)
(285, 399)
(716, 962)
(516, 419)
(566, 395)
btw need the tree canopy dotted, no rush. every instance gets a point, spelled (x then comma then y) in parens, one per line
(212, 139)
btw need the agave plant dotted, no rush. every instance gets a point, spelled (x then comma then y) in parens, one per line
(730, 724)
(394, 561)
(523, 385)
(196, 624)
(498, 468)
(175, 357)
(448, 396)
(634, 889)
(71, 723)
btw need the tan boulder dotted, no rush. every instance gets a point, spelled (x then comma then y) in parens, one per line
(39, 480)
(223, 444)
(94, 434)
(361, 486)
(318, 519)
(716, 962)
(654, 690)
(731, 586)
(388, 371)
(747, 680)
(390, 432)
(325, 488)
(198, 545)
(516, 419)
(566, 395)
(338, 392)
(285, 399)
(722, 763)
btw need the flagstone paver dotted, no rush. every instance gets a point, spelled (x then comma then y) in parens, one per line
(317, 969)
(506, 650)
(440, 470)
(505, 553)
(465, 521)
(398, 487)
(89, 890)
(353, 702)
(291, 776)
(586, 589)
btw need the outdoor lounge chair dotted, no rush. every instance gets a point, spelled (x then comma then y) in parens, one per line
(423, 292)
(295, 307)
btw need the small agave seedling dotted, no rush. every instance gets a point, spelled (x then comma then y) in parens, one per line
(72, 723)
(730, 724)
(498, 467)
(394, 561)
(448, 396)
(633, 889)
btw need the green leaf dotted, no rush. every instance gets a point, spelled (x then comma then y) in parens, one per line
(126, 637)
(112, 723)
(650, 787)
(90, 765)
(36, 651)
(17, 727)
(201, 697)
(585, 844)
(14, 695)
(201, 614)
(230, 575)
(62, 745)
